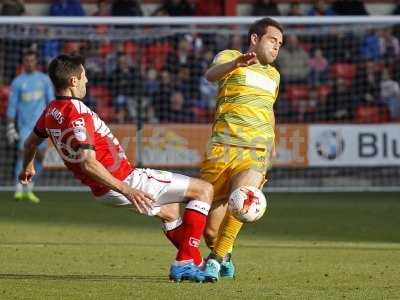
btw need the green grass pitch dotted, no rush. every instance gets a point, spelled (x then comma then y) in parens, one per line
(307, 246)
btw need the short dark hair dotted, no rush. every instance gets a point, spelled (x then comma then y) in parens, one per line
(259, 27)
(63, 67)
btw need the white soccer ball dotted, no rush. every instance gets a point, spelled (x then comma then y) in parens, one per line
(247, 204)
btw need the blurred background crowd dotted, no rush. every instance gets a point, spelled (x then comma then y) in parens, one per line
(328, 73)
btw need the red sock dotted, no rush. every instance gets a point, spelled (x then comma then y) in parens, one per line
(175, 235)
(194, 222)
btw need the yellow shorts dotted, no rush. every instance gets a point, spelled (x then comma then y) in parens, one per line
(222, 162)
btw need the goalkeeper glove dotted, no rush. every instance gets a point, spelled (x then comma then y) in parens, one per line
(12, 134)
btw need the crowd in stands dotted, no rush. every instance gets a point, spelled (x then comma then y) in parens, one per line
(338, 76)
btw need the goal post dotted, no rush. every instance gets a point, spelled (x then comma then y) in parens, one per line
(338, 111)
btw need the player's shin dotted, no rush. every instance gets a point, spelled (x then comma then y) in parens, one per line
(228, 233)
(194, 222)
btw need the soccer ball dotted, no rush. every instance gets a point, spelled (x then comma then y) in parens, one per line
(247, 204)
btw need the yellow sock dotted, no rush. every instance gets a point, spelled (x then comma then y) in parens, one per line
(227, 236)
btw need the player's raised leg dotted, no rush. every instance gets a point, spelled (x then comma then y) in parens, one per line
(168, 190)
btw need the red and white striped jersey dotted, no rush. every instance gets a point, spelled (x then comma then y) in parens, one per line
(72, 126)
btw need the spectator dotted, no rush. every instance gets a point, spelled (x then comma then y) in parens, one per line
(320, 8)
(236, 43)
(125, 88)
(390, 95)
(112, 58)
(186, 84)
(151, 90)
(294, 62)
(207, 90)
(179, 112)
(126, 8)
(346, 47)
(151, 84)
(176, 8)
(370, 47)
(181, 56)
(349, 8)
(340, 102)
(103, 9)
(265, 8)
(396, 10)
(71, 8)
(161, 106)
(206, 57)
(51, 45)
(367, 82)
(318, 68)
(312, 105)
(94, 63)
(389, 45)
(295, 10)
(13, 8)
(208, 93)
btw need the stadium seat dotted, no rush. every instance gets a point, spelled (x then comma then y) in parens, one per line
(106, 113)
(105, 49)
(156, 55)
(323, 91)
(347, 71)
(296, 92)
(370, 113)
(131, 49)
(101, 94)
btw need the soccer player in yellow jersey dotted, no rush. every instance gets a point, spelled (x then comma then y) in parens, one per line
(243, 138)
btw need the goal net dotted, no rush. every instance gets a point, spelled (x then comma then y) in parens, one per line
(337, 113)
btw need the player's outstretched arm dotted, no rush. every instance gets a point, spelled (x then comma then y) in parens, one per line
(95, 170)
(30, 149)
(217, 72)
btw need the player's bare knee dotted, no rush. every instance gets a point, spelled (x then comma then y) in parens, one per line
(200, 190)
(207, 192)
(169, 212)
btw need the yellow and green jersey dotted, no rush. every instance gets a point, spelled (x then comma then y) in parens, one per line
(244, 113)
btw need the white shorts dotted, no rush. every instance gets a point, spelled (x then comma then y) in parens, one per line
(165, 187)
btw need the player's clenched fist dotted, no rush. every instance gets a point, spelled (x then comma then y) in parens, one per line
(141, 201)
(246, 59)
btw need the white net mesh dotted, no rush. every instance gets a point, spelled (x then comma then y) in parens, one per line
(337, 113)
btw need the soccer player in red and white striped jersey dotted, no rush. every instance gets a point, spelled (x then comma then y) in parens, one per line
(91, 152)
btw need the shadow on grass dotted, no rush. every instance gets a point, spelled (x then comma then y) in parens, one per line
(86, 277)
